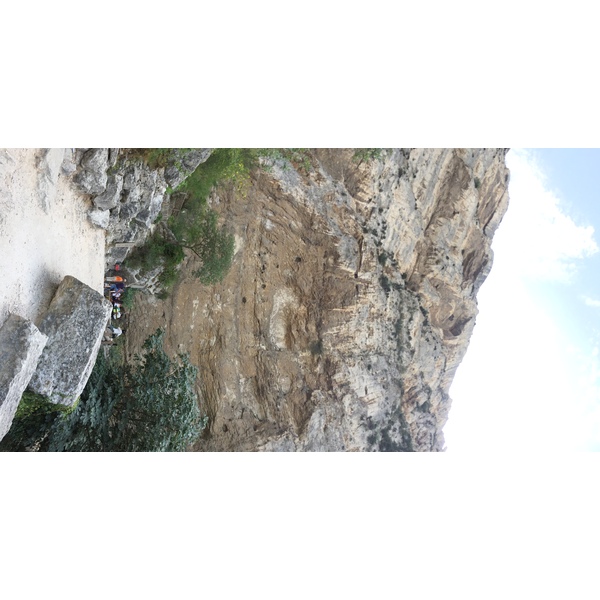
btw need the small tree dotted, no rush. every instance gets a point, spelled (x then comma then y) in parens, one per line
(212, 244)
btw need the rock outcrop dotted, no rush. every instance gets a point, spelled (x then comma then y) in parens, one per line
(21, 345)
(182, 163)
(127, 194)
(92, 176)
(74, 324)
(349, 305)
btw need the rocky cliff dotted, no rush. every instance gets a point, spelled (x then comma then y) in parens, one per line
(349, 305)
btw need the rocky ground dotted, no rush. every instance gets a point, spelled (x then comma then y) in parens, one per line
(45, 232)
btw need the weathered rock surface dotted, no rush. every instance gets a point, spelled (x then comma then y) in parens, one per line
(48, 163)
(69, 165)
(75, 323)
(349, 305)
(110, 197)
(92, 176)
(21, 345)
(100, 218)
(183, 163)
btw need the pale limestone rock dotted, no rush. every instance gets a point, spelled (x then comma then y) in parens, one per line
(21, 345)
(100, 218)
(75, 323)
(49, 162)
(110, 197)
(92, 176)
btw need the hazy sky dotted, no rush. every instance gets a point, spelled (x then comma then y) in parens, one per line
(531, 377)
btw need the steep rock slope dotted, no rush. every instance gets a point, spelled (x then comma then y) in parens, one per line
(349, 305)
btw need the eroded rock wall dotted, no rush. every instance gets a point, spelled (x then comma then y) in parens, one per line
(349, 305)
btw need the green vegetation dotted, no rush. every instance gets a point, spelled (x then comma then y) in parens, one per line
(155, 158)
(128, 297)
(367, 154)
(158, 251)
(148, 406)
(200, 233)
(477, 183)
(195, 226)
(234, 165)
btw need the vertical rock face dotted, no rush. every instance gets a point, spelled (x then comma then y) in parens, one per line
(75, 323)
(350, 302)
(21, 345)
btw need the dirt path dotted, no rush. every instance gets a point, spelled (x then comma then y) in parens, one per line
(38, 248)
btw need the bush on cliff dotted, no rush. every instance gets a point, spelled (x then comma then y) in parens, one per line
(201, 234)
(149, 405)
(195, 227)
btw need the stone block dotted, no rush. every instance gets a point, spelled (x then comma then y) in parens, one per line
(21, 345)
(75, 323)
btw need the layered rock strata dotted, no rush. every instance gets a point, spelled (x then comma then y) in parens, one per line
(349, 304)
(74, 324)
(21, 345)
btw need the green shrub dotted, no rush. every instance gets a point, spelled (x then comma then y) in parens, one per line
(128, 297)
(367, 154)
(195, 227)
(32, 422)
(147, 406)
(168, 277)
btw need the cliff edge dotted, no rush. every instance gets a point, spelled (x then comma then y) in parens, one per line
(349, 305)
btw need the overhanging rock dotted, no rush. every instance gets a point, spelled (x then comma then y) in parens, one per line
(21, 344)
(74, 324)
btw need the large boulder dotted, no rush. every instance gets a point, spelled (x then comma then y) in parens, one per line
(21, 344)
(75, 323)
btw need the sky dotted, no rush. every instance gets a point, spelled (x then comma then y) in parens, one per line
(531, 377)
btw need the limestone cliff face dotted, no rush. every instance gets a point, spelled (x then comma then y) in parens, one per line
(349, 305)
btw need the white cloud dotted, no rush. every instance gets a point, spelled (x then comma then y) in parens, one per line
(591, 302)
(526, 384)
(514, 390)
(540, 240)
